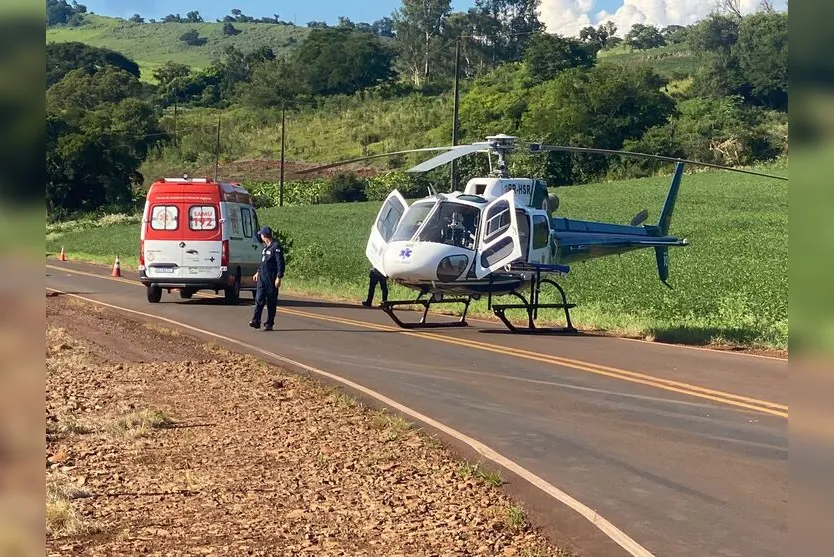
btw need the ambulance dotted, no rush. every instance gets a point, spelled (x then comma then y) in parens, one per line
(198, 235)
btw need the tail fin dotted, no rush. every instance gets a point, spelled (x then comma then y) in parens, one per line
(661, 254)
(671, 197)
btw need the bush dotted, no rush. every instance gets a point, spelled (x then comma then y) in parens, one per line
(345, 187)
(410, 186)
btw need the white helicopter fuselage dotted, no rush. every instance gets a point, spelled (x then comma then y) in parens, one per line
(461, 243)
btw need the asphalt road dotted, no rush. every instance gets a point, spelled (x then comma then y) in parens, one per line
(683, 449)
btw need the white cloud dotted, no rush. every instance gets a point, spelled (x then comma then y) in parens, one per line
(567, 17)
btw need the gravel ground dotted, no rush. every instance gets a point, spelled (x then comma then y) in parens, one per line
(159, 444)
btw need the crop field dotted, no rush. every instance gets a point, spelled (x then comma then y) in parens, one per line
(728, 286)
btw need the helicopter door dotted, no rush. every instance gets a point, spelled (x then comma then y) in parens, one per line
(386, 223)
(499, 243)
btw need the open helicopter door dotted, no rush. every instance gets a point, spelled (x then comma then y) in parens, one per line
(386, 223)
(498, 240)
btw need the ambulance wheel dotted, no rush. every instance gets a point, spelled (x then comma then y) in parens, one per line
(233, 293)
(154, 293)
(186, 294)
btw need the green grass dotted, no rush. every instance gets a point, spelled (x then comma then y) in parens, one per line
(670, 61)
(729, 286)
(153, 44)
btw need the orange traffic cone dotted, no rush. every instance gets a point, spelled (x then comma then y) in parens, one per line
(117, 268)
(63, 256)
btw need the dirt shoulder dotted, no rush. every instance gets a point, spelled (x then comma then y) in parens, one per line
(160, 444)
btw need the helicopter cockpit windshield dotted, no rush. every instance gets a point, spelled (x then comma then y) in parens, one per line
(453, 224)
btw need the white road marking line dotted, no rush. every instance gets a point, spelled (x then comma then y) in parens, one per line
(614, 533)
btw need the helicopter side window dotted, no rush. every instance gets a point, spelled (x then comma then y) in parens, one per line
(523, 231)
(541, 232)
(414, 217)
(497, 220)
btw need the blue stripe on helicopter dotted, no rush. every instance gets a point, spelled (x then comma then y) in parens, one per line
(554, 268)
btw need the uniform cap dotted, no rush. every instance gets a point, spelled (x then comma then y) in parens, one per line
(265, 231)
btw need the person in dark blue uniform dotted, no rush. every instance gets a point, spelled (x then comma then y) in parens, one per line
(376, 278)
(268, 278)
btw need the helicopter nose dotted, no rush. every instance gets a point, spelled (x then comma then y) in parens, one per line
(424, 261)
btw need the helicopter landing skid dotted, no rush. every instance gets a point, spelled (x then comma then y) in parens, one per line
(388, 307)
(533, 306)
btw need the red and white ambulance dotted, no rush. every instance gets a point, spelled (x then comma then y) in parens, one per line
(198, 235)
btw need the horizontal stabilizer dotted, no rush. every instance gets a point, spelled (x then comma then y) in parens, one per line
(640, 218)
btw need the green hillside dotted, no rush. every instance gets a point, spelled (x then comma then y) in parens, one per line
(673, 61)
(153, 44)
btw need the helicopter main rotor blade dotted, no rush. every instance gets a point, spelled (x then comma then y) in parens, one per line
(537, 147)
(369, 157)
(454, 153)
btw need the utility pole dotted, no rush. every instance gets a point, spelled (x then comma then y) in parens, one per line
(176, 137)
(217, 150)
(454, 178)
(283, 130)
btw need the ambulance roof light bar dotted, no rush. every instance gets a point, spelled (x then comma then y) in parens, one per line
(185, 178)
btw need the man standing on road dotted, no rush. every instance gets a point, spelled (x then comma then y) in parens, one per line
(376, 278)
(268, 279)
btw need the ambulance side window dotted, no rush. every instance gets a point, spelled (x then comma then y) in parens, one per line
(246, 218)
(255, 217)
(202, 217)
(165, 217)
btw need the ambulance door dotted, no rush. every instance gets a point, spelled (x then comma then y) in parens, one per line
(499, 243)
(202, 247)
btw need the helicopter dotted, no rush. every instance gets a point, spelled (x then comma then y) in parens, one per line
(499, 236)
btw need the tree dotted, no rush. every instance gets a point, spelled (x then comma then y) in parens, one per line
(762, 53)
(518, 20)
(674, 34)
(716, 33)
(192, 37)
(230, 30)
(193, 17)
(59, 12)
(548, 55)
(598, 107)
(97, 134)
(62, 58)
(600, 37)
(731, 7)
(383, 27)
(340, 61)
(419, 26)
(643, 37)
(746, 57)
(170, 71)
(136, 18)
(477, 49)
(84, 90)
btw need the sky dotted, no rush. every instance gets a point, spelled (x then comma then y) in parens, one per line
(565, 17)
